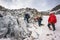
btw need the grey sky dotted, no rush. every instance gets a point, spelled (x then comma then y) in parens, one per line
(37, 4)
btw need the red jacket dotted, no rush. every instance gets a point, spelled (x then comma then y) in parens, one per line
(52, 18)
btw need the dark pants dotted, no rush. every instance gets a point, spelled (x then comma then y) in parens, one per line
(53, 25)
(39, 22)
(26, 19)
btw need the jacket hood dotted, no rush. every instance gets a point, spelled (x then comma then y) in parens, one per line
(51, 14)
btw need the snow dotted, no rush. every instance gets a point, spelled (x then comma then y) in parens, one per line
(5, 39)
(42, 32)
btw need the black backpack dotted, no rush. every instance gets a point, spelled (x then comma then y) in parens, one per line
(27, 16)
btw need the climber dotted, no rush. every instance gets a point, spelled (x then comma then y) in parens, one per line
(52, 20)
(26, 17)
(38, 18)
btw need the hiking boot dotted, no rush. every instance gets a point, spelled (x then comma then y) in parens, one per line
(54, 29)
(50, 28)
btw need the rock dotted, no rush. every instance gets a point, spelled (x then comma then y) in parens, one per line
(1, 15)
(7, 23)
(52, 38)
(47, 34)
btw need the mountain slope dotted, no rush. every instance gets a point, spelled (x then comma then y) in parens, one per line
(56, 8)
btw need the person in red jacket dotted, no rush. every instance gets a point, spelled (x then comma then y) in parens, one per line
(51, 21)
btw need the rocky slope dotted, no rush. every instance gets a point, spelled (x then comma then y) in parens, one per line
(10, 21)
(56, 8)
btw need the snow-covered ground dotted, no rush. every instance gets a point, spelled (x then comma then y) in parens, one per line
(42, 33)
